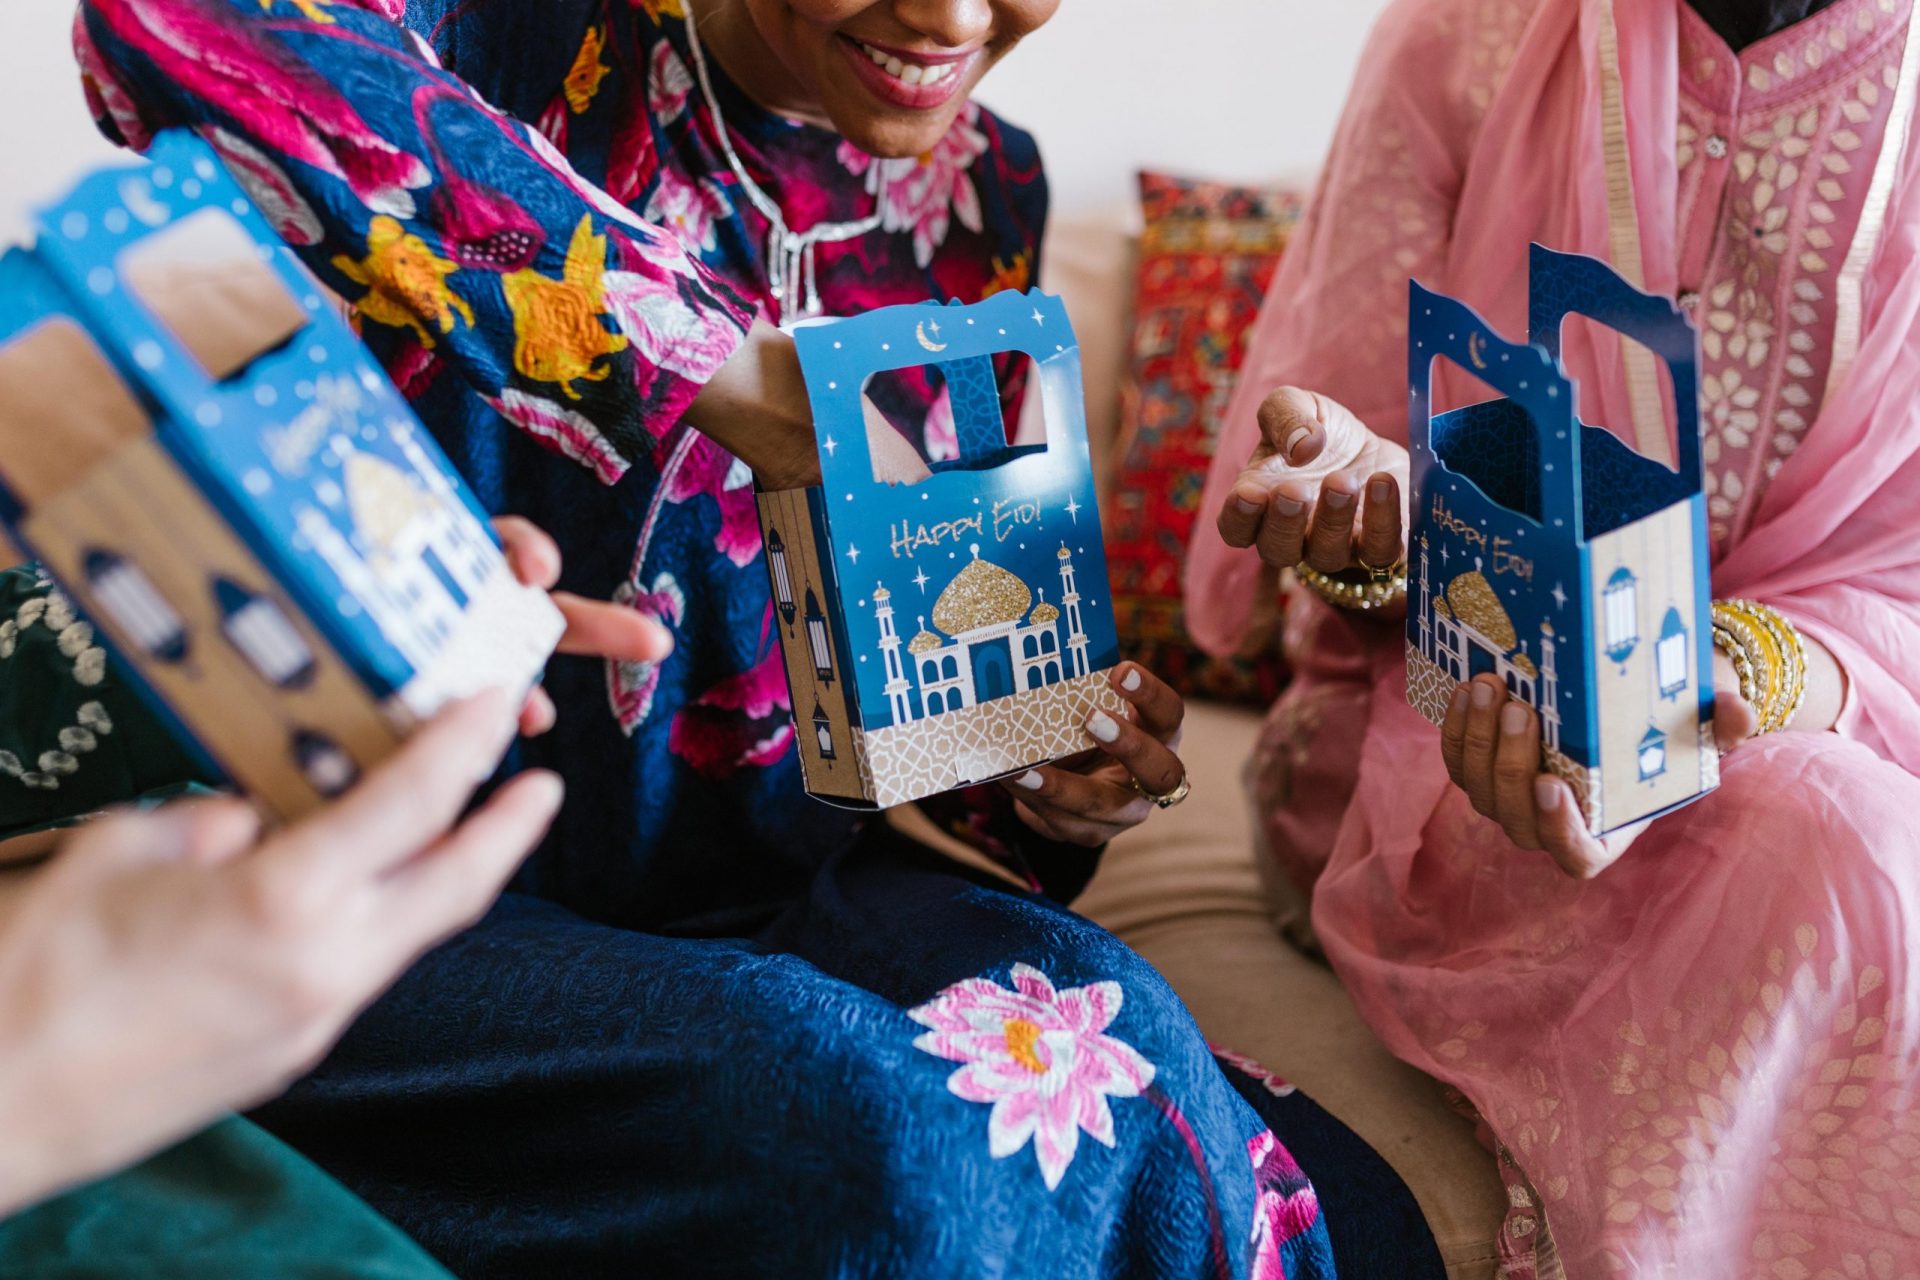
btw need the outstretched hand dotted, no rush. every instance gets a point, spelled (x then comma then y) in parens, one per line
(1320, 489)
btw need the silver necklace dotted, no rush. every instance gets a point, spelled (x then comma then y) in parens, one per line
(791, 276)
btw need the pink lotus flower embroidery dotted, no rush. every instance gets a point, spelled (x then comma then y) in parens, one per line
(667, 332)
(274, 194)
(923, 194)
(631, 685)
(562, 430)
(1040, 1056)
(685, 208)
(1287, 1207)
(668, 84)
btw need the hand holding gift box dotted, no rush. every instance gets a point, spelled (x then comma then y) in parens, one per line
(947, 624)
(1546, 552)
(205, 457)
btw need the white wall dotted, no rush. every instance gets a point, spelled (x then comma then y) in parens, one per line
(1245, 89)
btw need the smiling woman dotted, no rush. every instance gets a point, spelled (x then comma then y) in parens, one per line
(564, 229)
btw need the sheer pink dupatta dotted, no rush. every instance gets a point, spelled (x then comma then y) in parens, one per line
(1576, 150)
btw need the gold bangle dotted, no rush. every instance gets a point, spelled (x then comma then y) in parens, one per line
(1783, 639)
(1377, 592)
(1729, 644)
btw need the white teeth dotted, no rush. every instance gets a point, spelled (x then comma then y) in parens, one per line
(907, 72)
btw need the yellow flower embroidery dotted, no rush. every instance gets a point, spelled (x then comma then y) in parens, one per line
(312, 10)
(1009, 276)
(557, 329)
(406, 281)
(583, 81)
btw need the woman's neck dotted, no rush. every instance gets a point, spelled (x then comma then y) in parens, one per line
(732, 40)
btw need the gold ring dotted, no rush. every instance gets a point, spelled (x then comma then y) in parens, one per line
(1172, 797)
(1377, 575)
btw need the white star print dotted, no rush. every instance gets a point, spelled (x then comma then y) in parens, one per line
(1038, 318)
(829, 444)
(1073, 508)
(853, 553)
(1559, 596)
(920, 580)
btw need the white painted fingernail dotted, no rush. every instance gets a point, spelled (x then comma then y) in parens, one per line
(1130, 681)
(1546, 794)
(1031, 780)
(1338, 499)
(1101, 726)
(1293, 441)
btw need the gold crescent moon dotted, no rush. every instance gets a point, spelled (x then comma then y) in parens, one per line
(1475, 342)
(920, 332)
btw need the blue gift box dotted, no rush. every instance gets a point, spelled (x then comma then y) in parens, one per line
(950, 623)
(271, 543)
(1547, 552)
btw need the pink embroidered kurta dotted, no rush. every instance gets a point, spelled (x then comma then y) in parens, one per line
(1703, 1063)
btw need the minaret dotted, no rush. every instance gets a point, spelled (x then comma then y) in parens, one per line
(1076, 634)
(1549, 690)
(1426, 601)
(890, 653)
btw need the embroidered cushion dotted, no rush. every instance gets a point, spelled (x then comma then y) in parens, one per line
(74, 738)
(1207, 255)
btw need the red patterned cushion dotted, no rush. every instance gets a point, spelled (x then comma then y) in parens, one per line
(1207, 256)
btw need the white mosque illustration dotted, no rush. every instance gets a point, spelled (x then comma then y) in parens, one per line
(991, 641)
(416, 557)
(1467, 631)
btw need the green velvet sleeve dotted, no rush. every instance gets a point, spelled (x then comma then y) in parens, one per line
(75, 737)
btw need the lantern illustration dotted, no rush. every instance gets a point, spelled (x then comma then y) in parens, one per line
(129, 598)
(327, 769)
(817, 639)
(1653, 754)
(782, 584)
(265, 637)
(823, 730)
(1621, 602)
(1670, 655)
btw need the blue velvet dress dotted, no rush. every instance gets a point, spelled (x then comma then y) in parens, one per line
(718, 1028)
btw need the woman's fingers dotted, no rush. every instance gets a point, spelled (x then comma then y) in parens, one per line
(1282, 535)
(537, 714)
(1062, 797)
(1515, 766)
(598, 629)
(1293, 425)
(1156, 707)
(1453, 735)
(1382, 540)
(535, 557)
(404, 805)
(1734, 719)
(1562, 829)
(1153, 764)
(1485, 694)
(1330, 544)
(450, 885)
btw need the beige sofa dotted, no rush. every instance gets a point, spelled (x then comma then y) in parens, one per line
(1183, 889)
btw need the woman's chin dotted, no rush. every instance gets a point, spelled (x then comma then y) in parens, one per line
(894, 135)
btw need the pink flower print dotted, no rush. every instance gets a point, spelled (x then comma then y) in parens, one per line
(279, 102)
(710, 471)
(740, 723)
(1040, 1056)
(942, 437)
(105, 97)
(1287, 1206)
(686, 209)
(1266, 1079)
(563, 430)
(922, 194)
(292, 217)
(668, 84)
(667, 332)
(631, 685)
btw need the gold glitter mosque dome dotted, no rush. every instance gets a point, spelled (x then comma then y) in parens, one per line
(1475, 604)
(1065, 554)
(1045, 616)
(925, 642)
(981, 595)
(383, 501)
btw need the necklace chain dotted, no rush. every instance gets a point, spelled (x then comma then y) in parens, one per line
(791, 275)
